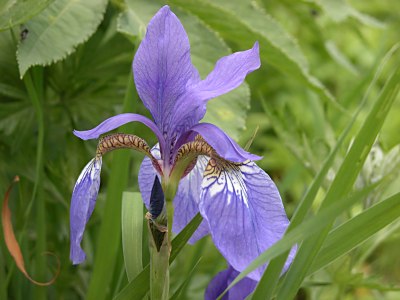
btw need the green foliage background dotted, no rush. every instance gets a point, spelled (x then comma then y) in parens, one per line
(325, 103)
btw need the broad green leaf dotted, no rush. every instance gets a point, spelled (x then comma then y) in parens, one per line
(15, 12)
(343, 182)
(57, 30)
(342, 239)
(132, 231)
(139, 286)
(243, 23)
(134, 19)
(228, 111)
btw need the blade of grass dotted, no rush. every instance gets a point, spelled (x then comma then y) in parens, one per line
(110, 231)
(271, 275)
(270, 278)
(132, 232)
(357, 153)
(342, 183)
(342, 239)
(138, 287)
(181, 239)
(377, 241)
(306, 229)
(179, 293)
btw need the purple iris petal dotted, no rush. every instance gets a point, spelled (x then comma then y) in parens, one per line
(223, 279)
(222, 143)
(163, 69)
(146, 176)
(187, 199)
(115, 122)
(245, 213)
(82, 204)
(229, 72)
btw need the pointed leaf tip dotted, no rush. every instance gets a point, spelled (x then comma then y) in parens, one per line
(11, 241)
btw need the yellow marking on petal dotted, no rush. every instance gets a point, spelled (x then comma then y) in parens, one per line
(217, 165)
(221, 175)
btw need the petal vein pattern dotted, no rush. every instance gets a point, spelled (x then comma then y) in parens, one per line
(162, 69)
(244, 211)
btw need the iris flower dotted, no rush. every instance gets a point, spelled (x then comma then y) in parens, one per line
(223, 279)
(200, 167)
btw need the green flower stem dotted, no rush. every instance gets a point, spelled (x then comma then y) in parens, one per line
(170, 215)
(159, 247)
(34, 84)
(160, 232)
(160, 243)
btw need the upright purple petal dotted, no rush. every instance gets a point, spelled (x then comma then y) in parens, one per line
(187, 199)
(244, 211)
(222, 143)
(223, 279)
(115, 122)
(82, 204)
(163, 69)
(229, 72)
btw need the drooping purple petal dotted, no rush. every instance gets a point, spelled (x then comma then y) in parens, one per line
(222, 143)
(163, 69)
(244, 211)
(82, 205)
(187, 199)
(223, 279)
(229, 72)
(115, 122)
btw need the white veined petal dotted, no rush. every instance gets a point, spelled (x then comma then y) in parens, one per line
(244, 211)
